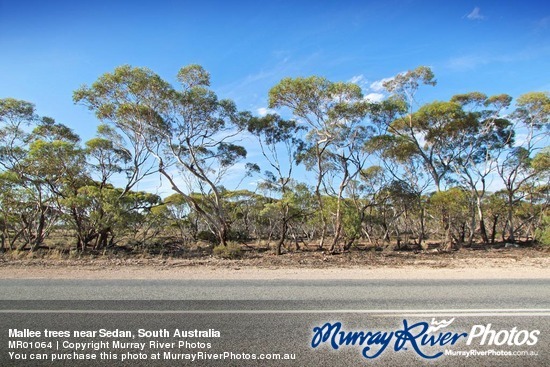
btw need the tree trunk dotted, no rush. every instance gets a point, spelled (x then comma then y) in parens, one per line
(462, 236)
(481, 217)
(422, 227)
(337, 234)
(494, 229)
(284, 229)
(319, 198)
(223, 232)
(338, 225)
(473, 224)
(386, 236)
(39, 231)
(483, 231)
(284, 223)
(101, 241)
(348, 244)
(447, 241)
(323, 234)
(511, 229)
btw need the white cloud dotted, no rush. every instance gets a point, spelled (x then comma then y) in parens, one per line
(520, 139)
(378, 86)
(374, 97)
(263, 111)
(357, 79)
(476, 14)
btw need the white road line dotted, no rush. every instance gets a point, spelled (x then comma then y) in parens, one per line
(380, 313)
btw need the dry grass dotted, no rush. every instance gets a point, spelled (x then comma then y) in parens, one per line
(263, 256)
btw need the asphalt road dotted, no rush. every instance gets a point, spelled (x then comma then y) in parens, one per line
(262, 318)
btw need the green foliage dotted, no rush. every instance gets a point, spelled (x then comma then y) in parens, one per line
(51, 131)
(454, 201)
(230, 251)
(472, 98)
(193, 76)
(230, 153)
(406, 84)
(534, 109)
(51, 181)
(372, 174)
(453, 209)
(16, 110)
(272, 129)
(542, 234)
(189, 128)
(319, 102)
(207, 236)
(541, 162)
(100, 213)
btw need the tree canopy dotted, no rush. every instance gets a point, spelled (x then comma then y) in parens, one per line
(474, 168)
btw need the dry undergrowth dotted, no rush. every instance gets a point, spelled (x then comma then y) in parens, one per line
(310, 258)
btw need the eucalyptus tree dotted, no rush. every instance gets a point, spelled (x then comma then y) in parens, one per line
(245, 209)
(327, 109)
(515, 168)
(463, 136)
(179, 217)
(495, 209)
(445, 137)
(130, 98)
(364, 193)
(40, 158)
(107, 157)
(55, 165)
(280, 142)
(105, 214)
(400, 167)
(10, 207)
(478, 151)
(452, 207)
(396, 204)
(92, 200)
(191, 134)
(16, 119)
(400, 140)
(417, 132)
(347, 158)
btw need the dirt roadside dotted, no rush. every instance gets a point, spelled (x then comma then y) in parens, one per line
(503, 264)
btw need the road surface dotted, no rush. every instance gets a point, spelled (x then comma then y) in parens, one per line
(276, 319)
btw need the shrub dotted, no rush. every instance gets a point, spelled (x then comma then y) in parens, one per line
(207, 236)
(543, 233)
(231, 251)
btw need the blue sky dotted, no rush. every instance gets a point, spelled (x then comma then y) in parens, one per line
(50, 48)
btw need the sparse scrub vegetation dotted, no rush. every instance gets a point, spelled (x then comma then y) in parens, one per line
(231, 250)
(390, 175)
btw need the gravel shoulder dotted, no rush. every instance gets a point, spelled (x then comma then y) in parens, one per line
(505, 264)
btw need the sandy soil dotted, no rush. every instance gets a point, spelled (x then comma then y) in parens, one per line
(503, 264)
(261, 273)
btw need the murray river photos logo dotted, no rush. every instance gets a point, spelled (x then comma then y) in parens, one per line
(418, 337)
